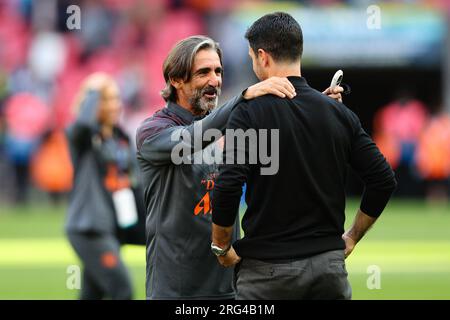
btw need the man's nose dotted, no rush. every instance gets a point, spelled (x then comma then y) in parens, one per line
(215, 80)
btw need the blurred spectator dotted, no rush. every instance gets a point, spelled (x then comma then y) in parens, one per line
(97, 26)
(105, 173)
(433, 157)
(27, 118)
(51, 167)
(47, 56)
(5, 168)
(401, 121)
(43, 14)
(397, 127)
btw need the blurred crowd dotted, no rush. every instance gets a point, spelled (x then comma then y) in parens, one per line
(416, 143)
(42, 63)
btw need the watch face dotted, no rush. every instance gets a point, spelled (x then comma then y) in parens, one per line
(218, 251)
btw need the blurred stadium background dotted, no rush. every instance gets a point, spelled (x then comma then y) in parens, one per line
(399, 73)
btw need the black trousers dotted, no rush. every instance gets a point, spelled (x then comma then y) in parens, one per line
(104, 273)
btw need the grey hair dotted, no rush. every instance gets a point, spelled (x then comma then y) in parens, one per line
(178, 64)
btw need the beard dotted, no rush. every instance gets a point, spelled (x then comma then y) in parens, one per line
(202, 104)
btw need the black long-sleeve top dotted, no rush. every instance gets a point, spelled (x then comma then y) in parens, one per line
(300, 210)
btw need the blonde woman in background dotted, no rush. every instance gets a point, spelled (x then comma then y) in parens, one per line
(103, 162)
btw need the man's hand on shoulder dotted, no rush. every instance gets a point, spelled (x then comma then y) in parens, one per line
(283, 88)
(280, 87)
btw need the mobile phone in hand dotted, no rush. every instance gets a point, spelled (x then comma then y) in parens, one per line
(337, 79)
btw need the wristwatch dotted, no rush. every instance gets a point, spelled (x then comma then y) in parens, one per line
(218, 251)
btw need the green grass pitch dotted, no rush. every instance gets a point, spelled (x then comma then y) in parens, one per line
(409, 245)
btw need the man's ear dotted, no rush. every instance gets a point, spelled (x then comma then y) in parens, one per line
(176, 83)
(263, 57)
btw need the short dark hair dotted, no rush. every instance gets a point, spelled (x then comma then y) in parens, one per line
(178, 63)
(279, 34)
